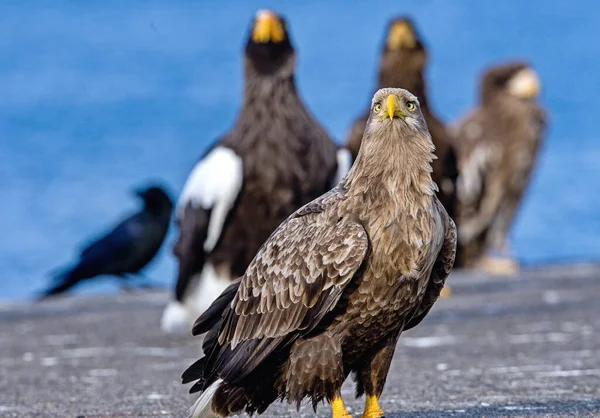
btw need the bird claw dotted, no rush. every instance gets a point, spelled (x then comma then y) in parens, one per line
(372, 409)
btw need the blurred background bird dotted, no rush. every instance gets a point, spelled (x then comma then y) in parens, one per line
(499, 142)
(274, 159)
(125, 250)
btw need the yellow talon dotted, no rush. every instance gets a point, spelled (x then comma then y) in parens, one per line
(338, 410)
(446, 292)
(372, 409)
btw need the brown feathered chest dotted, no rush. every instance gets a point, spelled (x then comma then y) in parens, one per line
(405, 240)
(288, 160)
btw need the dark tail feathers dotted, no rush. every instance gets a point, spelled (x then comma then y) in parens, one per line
(65, 281)
(213, 314)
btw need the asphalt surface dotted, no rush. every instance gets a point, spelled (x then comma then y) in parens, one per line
(498, 347)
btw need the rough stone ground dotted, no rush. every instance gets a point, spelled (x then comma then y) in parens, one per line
(498, 347)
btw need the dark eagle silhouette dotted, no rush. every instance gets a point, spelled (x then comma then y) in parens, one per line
(275, 159)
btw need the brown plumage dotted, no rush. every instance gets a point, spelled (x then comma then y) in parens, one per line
(275, 159)
(402, 65)
(499, 142)
(332, 289)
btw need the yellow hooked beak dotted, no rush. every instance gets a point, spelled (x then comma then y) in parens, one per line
(392, 107)
(401, 36)
(268, 28)
(525, 84)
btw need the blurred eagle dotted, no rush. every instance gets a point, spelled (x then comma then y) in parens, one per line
(332, 289)
(499, 143)
(275, 159)
(402, 65)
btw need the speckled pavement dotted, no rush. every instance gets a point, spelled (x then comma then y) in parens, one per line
(498, 347)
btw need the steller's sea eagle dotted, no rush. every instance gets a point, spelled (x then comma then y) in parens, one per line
(275, 159)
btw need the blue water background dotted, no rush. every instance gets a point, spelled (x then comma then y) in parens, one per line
(97, 97)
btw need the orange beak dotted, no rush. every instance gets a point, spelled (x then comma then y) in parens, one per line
(401, 36)
(268, 28)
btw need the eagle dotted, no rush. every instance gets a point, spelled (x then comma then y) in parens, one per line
(498, 146)
(275, 159)
(402, 65)
(334, 286)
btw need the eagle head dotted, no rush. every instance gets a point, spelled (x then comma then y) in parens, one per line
(396, 107)
(268, 46)
(402, 35)
(515, 79)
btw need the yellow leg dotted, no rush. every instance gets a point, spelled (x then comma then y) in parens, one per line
(338, 410)
(372, 409)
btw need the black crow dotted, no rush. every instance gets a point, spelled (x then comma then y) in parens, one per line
(125, 250)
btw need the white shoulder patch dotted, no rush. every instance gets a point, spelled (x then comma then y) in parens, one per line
(344, 163)
(214, 183)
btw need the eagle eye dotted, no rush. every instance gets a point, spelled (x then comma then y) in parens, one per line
(411, 106)
(377, 108)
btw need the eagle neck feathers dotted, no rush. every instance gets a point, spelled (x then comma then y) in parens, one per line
(396, 176)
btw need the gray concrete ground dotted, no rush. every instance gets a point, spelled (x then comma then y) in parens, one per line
(498, 347)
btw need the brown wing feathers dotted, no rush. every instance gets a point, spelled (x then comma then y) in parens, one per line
(439, 273)
(273, 301)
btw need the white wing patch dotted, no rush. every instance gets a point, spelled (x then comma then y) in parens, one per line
(214, 183)
(344, 162)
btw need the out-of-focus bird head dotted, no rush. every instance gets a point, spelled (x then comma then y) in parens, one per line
(269, 46)
(155, 198)
(514, 79)
(403, 58)
(402, 35)
(393, 107)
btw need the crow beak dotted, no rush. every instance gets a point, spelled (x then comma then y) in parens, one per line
(140, 193)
